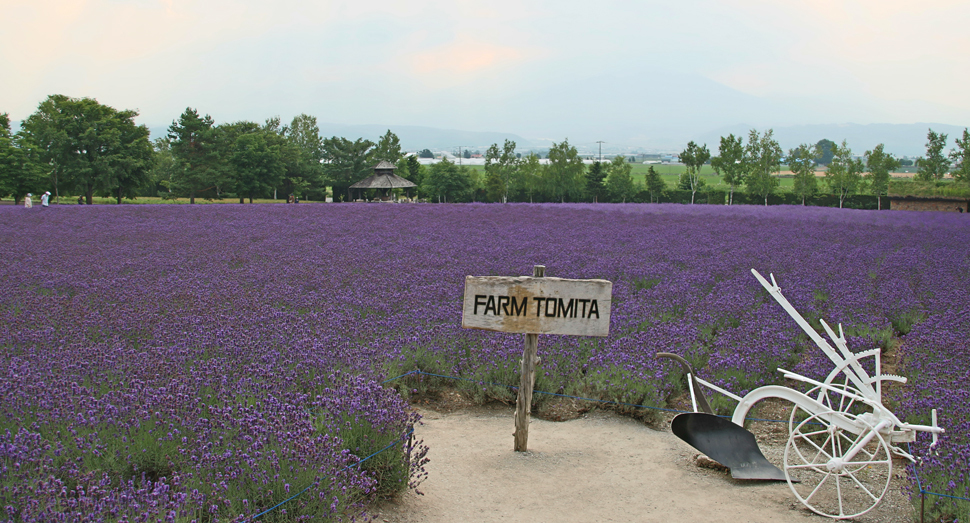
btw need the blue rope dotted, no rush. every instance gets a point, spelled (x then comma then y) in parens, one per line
(647, 406)
(945, 495)
(348, 467)
(919, 484)
(605, 401)
(399, 377)
(575, 397)
(462, 379)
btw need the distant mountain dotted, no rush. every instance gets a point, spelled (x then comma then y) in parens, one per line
(900, 139)
(415, 138)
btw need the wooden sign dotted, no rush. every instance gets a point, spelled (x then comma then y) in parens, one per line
(535, 305)
(531, 305)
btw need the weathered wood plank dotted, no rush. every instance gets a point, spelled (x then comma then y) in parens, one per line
(533, 305)
(523, 400)
(527, 380)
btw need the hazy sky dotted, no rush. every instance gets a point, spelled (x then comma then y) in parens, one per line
(584, 70)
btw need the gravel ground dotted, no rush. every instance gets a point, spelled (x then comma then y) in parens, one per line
(599, 466)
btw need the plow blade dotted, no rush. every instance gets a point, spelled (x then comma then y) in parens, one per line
(728, 444)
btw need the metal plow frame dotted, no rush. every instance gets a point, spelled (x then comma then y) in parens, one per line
(838, 457)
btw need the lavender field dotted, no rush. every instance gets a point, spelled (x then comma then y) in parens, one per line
(204, 363)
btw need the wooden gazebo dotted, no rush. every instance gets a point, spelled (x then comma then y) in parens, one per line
(383, 178)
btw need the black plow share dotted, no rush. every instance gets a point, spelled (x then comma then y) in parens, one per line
(718, 438)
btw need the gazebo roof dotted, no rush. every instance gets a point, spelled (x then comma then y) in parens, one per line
(383, 181)
(384, 178)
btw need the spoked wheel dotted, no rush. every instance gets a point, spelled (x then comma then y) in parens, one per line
(825, 478)
(830, 398)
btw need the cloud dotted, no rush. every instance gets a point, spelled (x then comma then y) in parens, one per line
(882, 49)
(461, 61)
(462, 57)
(69, 47)
(548, 66)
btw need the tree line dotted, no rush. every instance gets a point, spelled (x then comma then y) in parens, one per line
(79, 146)
(751, 166)
(754, 166)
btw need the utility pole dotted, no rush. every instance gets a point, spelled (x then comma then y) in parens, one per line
(459, 154)
(601, 142)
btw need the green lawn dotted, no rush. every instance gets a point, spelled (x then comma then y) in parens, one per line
(668, 169)
(669, 173)
(711, 180)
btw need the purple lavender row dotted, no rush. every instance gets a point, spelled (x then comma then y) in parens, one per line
(206, 362)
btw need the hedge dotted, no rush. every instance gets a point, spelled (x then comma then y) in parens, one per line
(719, 197)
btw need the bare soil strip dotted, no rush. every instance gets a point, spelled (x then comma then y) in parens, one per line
(599, 467)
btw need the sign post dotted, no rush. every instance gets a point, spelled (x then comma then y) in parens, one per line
(532, 306)
(527, 380)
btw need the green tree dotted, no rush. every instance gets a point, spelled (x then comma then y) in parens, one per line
(46, 140)
(425, 153)
(824, 147)
(684, 182)
(346, 163)
(528, 181)
(164, 169)
(935, 164)
(501, 166)
(476, 180)
(448, 182)
(730, 163)
(802, 160)
(563, 175)
(228, 178)
(303, 156)
(694, 158)
(89, 146)
(410, 169)
(844, 175)
(388, 148)
(595, 181)
(880, 165)
(495, 190)
(961, 158)
(258, 163)
(196, 146)
(762, 156)
(134, 163)
(19, 172)
(655, 184)
(619, 181)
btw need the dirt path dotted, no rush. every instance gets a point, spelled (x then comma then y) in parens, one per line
(601, 467)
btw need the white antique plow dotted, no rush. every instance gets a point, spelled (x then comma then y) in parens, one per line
(838, 460)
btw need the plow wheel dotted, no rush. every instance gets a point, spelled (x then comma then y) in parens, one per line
(830, 398)
(830, 482)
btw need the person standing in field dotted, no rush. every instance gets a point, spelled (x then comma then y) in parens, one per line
(45, 199)
(27, 203)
